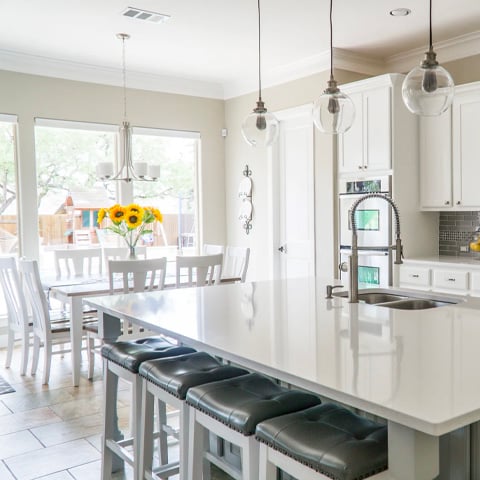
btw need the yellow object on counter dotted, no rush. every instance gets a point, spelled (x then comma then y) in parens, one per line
(475, 247)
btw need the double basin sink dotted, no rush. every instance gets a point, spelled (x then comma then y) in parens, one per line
(400, 299)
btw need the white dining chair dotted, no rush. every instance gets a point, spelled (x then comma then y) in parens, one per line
(19, 327)
(78, 262)
(235, 263)
(121, 253)
(129, 276)
(46, 333)
(211, 249)
(200, 270)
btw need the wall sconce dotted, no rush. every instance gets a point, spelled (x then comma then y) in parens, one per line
(245, 194)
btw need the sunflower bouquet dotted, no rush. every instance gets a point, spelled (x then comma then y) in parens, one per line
(130, 221)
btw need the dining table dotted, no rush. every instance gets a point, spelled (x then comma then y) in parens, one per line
(73, 291)
(416, 370)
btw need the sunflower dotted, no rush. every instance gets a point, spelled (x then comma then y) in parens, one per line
(101, 215)
(117, 213)
(134, 216)
(157, 214)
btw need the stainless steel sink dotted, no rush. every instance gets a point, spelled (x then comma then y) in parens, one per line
(400, 299)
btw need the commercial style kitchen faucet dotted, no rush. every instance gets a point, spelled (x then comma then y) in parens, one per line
(353, 261)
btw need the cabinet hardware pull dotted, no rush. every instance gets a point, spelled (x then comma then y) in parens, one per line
(451, 279)
(447, 202)
(459, 202)
(360, 167)
(415, 275)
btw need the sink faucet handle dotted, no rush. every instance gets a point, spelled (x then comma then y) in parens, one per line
(330, 290)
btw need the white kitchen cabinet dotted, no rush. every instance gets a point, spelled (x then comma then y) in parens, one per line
(367, 146)
(456, 275)
(449, 154)
(415, 277)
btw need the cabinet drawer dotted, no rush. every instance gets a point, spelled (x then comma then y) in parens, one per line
(475, 282)
(450, 279)
(417, 276)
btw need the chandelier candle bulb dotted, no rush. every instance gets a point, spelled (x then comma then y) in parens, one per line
(104, 170)
(141, 169)
(154, 171)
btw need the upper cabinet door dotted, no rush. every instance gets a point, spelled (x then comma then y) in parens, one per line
(377, 114)
(351, 142)
(367, 145)
(436, 161)
(466, 148)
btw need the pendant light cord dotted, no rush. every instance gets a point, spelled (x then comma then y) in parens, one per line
(124, 76)
(431, 34)
(331, 41)
(259, 55)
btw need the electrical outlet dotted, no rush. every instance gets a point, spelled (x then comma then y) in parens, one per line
(464, 248)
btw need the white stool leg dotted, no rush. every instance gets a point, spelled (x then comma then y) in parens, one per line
(196, 447)
(250, 458)
(146, 432)
(184, 424)
(110, 382)
(268, 471)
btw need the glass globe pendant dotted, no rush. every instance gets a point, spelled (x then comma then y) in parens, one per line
(334, 111)
(260, 128)
(428, 89)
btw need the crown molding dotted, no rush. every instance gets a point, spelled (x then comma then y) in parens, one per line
(343, 59)
(448, 50)
(48, 67)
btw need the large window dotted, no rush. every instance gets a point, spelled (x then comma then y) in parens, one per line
(175, 192)
(8, 188)
(70, 193)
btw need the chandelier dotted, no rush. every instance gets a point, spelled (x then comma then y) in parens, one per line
(128, 171)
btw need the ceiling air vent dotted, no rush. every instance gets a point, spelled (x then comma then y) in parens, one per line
(140, 14)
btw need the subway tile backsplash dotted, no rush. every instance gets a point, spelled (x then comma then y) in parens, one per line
(455, 231)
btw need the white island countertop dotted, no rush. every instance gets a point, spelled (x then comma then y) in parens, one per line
(418, 368)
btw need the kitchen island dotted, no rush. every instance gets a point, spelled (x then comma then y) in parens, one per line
(417, 369)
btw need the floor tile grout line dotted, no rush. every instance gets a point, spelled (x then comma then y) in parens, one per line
(8, 469)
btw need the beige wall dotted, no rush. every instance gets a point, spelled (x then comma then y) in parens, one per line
(238, 153)
(30, 96)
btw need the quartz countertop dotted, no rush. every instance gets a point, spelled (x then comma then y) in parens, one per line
(446, 260)
(418, 368)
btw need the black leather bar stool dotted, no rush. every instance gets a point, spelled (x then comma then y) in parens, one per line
(231, 409)
(122, 360)
(323, 442)
(167, 381)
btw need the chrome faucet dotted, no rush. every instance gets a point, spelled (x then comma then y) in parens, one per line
(353, 264)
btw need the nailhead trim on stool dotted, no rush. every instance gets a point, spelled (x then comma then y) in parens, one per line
(122, 360)
(168, 380)
(329, 439)
(231, 409)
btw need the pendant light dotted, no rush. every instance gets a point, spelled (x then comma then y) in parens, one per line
(428, 89)
(260, 128)
(334, 111)
(127, 171)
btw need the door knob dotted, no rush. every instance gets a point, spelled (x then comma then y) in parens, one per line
(282, 249)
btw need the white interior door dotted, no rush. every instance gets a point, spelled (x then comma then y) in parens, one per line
(293, 160)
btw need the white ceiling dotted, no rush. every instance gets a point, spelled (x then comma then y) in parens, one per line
(209, 47)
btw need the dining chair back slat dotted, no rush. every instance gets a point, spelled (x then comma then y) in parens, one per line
(72, 262)
(235, 264)
(17, 310)
(201, 270)
(121, 253)
(137, 275)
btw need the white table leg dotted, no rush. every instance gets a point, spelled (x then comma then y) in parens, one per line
(76, 331)
(412, 455)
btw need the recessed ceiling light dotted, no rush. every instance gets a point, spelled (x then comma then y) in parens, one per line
(400, 12)
(140, 14)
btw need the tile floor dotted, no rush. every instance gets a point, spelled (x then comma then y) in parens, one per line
(53, 432)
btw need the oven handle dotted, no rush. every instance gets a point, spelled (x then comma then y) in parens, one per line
(347, 249)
